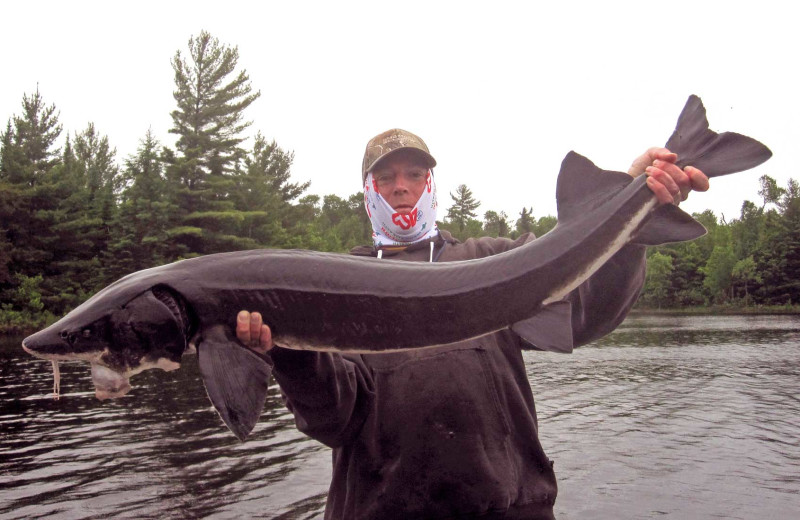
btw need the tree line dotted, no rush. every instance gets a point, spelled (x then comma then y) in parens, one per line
(73, 218)
(752, 260)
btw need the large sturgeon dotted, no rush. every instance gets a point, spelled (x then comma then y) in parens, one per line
(332, 302)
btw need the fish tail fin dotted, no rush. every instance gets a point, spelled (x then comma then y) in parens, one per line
(715, 154)
(235, 378)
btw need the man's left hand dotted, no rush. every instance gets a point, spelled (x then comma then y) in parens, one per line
(668, 182)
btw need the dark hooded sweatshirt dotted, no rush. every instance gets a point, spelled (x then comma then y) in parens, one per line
(448, 432)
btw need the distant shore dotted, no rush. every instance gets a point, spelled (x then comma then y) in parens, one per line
(718, 309)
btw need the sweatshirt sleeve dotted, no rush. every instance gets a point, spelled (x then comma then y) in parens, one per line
(601, 303)
(329, 394)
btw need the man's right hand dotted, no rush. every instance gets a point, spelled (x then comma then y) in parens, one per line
(252, 332)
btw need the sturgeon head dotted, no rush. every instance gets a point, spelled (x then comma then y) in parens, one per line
(139, 323)
(119, 334)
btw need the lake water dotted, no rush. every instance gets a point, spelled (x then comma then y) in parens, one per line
(677, 417)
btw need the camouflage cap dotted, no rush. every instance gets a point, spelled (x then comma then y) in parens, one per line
(388, 142)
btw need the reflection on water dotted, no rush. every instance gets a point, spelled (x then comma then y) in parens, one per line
(694, 417)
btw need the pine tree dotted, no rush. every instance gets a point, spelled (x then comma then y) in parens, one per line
(140, 231)
(463, 208)
(209, 117)
(264, 194)
(90, 175)
(28, 145)
(525, 222)
(30, 197)
(209, 120)
(770, 192)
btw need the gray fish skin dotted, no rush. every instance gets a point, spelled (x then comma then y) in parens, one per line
(334, 302)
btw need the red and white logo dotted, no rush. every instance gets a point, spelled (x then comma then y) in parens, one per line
(405, 221)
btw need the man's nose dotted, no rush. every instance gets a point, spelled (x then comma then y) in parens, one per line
(400, 183)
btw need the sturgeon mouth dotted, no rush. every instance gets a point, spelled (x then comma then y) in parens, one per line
(109, 384)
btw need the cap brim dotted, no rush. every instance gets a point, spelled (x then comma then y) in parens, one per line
(428, 157)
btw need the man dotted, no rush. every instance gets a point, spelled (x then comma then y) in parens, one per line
(449, 432)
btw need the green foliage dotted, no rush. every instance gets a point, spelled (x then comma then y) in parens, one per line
(527, 223)
(342, 223)
(754, 259)
(659, 279)
(544, 224)
(718, 273)
(745, 274)
(496, 224)
(778, 260)
(145, 214)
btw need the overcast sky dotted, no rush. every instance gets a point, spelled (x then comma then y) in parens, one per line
(500, 91)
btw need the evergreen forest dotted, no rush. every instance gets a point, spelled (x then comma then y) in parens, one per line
(74, 217)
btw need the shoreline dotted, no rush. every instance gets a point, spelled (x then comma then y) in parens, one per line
(717, 310)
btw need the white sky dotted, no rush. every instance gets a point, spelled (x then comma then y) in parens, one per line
(500, 91)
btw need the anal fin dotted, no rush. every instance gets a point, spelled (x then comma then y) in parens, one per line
(550, 329)
(235, 378)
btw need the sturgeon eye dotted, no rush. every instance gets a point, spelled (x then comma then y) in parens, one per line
(87, 333)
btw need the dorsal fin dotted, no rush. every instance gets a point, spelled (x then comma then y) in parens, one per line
(582, 186)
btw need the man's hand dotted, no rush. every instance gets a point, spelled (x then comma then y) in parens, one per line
(670, 184)
(252, 332)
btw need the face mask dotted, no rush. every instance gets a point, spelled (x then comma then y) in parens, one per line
(390, 228)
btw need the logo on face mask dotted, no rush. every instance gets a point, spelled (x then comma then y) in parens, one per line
(405, 221)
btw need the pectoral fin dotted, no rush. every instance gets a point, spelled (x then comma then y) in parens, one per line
(550, 329)
(235, 378)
